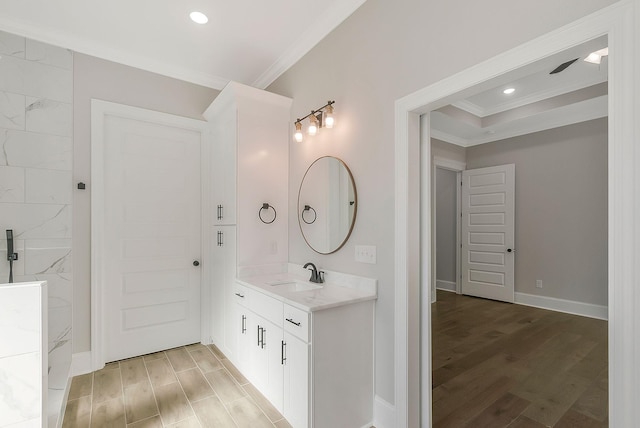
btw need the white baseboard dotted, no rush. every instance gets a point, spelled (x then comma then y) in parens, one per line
(445, 285)
(384, 413)
(562, 305)
(81, 363)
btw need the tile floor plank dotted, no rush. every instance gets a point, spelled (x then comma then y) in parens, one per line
(108, 414)
(212, 413)
(161, 372)
(81, 386)
(77, 413)
(154, 422)
(133, 371)
(180, 359)
(224, 385)
(107, 385)
(194, 384)
(172, 403)
(248, 415)
(206, 361)
(139, 402)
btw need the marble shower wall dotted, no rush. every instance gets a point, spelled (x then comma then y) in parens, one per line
(36, 123)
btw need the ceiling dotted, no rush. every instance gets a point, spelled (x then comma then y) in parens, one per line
(541, 100)
(251, 42)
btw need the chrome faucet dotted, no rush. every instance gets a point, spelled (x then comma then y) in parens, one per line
(316, 275)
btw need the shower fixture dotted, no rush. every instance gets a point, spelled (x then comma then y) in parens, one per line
(11, 256)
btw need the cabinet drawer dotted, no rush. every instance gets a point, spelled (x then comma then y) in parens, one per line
(296, 322)
(263, 305)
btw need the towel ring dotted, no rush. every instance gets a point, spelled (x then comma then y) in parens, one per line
(266, 206)
(309, 208)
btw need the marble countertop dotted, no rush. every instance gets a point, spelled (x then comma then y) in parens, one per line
(328, 295)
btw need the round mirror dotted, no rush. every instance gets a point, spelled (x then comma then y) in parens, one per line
(327, 205)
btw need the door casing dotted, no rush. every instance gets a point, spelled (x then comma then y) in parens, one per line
(412, 161)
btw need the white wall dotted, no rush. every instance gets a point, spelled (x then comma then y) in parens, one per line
(105, 80)
(561, 208)
(383, 52)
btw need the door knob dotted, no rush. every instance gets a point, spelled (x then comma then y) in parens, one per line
(509, 250)
(197, 263)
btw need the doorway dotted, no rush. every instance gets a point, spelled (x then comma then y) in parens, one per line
(146, 231)
(412, 394)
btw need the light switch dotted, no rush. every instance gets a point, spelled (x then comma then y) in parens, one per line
(366, 254)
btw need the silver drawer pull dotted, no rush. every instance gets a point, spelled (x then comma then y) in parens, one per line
(240, 295)
(293, 322)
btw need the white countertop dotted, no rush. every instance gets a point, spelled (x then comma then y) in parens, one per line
(329, 295)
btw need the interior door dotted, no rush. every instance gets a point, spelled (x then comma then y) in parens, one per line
(152, 235)
(488, 208)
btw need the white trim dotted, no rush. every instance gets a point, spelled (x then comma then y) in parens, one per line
(99, 110)
(476, 110)
(446, 285)
(448, 138)
(383, 413)
(618, 22)
(333, 17)
(63, 407)
(81, 363)
(562, 305)
(450, 164)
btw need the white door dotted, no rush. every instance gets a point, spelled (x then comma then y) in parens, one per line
(152, 238)
(488, 196)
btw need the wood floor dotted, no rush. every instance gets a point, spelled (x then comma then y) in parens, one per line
(504, 365)
(190, 386)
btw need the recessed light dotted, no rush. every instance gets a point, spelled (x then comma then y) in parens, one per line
(198, 17)
(509, 91)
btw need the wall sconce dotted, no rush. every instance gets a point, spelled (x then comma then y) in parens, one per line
(319, 118)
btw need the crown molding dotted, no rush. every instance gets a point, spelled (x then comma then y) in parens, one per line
(476, 110)
(101, 50)
(333, 17)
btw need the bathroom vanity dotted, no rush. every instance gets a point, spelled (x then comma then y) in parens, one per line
(308, 347)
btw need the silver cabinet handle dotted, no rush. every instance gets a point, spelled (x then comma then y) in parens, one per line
(220, 238)
(244, 324)
(240, 295)
(220, 212)
(283, 349)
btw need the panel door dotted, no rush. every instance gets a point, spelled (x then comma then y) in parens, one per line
(296, 381)
(488, 233)
(152, 237)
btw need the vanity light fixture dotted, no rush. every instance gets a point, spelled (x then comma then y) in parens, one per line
(596, 57)
(319, 118)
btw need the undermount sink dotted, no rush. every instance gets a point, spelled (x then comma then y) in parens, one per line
(296, 286)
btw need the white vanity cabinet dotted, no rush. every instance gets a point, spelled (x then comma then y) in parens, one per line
(249, 164)
(315, 367)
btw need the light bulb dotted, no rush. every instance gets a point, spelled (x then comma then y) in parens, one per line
(313, 125)
(329, 120)
(593, 58)
(298, 136)
(509, 91)
(198, 17)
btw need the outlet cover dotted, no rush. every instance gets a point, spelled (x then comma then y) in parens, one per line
(366, 254)
(538, 283)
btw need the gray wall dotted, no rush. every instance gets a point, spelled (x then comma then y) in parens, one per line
(446, 221)
(384, 51)
(105, 80)
(561, 208)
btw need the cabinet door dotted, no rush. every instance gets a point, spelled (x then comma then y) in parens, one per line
(223, 173)
(246, 343)
(222, 272)
(296, 381)
(266, 360)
